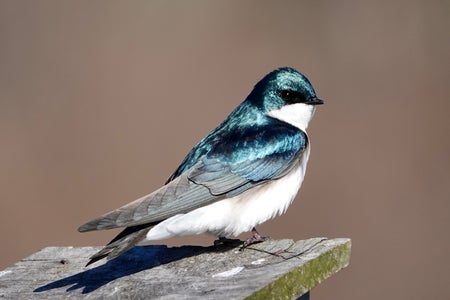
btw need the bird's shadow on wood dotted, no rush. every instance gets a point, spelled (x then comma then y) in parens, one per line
(133, 261)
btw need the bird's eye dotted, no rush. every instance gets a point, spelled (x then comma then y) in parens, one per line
(291, 97)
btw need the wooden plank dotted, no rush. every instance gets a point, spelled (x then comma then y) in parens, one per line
(273, 269)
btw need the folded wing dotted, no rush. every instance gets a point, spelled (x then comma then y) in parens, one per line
(240, 161)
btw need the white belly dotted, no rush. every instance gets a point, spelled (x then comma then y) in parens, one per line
(238, 214)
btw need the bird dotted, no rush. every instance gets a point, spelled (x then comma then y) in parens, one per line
(245, 172)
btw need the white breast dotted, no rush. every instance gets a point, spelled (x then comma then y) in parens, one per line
(238, 214)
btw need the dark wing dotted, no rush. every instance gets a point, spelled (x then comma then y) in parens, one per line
(242, 160)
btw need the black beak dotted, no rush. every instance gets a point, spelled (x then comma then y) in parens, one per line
(315, 101)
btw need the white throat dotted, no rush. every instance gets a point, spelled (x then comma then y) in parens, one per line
(298, 114)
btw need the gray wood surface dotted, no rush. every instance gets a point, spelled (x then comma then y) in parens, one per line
(273, 269)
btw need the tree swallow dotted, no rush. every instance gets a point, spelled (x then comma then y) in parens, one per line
(246, 171)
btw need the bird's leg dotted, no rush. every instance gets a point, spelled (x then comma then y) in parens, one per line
(255, 238)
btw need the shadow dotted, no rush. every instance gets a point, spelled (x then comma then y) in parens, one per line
(133, 261)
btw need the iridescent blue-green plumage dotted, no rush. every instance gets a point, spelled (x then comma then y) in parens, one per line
(251, 114)
(246, 158)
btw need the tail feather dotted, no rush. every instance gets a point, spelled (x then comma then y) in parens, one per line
(124, 241)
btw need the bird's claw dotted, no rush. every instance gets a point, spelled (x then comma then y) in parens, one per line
(255, 238)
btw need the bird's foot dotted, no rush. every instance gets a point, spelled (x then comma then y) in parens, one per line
(225, 241)
(255, 238)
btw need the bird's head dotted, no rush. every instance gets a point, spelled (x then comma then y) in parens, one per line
(287, 95)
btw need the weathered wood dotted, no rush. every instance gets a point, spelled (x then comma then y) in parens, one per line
(273, 269)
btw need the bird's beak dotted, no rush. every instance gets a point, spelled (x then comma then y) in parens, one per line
(315, 101)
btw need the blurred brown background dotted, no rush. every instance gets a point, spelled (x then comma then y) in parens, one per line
(101, 100)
